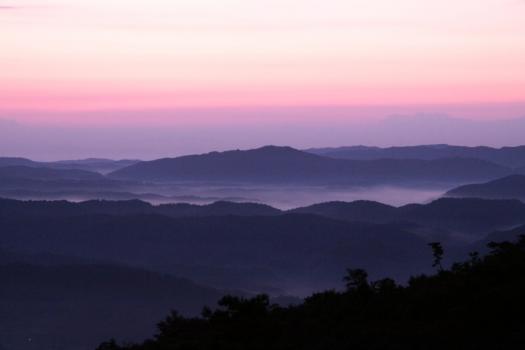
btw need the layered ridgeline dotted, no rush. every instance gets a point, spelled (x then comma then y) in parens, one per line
(15, 208)
(32, 182)
(251, 246)
(26, 179)
(20, 172)
(443, 219)
(78, 273)
(98, 165)
(513, 157)
(507, 187)
(161, 180)
(292, 254)
(469, 218)
(285, 165)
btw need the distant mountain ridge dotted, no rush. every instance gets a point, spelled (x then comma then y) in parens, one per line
(285, 165)
(362, 166)
(16, 180)
(99, 165)
(41, 173)
(513, 157)
(10, 207)
(510, 187)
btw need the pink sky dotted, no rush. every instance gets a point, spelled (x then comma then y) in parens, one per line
(165, 54)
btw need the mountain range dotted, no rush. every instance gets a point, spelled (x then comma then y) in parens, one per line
(513, 157)
(251, 246)
(166, 180)
(99, 165)
(285, 165)
(465, 218)
(74, 274)
(450, 218)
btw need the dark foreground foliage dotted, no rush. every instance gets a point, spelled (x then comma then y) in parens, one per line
(477, 304)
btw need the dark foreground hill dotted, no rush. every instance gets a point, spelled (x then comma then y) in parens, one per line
(477, 304)
(285, 165)
(507, 187)
(254, 247)
(292, 254)
(251, 247)
(508, 156)
(505, 235)
(75, 307)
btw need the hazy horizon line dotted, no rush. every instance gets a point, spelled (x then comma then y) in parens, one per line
(308, 149)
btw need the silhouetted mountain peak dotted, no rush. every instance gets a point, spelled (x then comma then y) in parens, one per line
(269, 163)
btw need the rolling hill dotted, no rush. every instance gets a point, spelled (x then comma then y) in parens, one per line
(352, 211)
(17, 161)
(467, 216)
(465, 219)
(285, 165)
(74, 306)
(507, 156)
(462, 218)
(280, 253)
(510, 187)
(36, 182)
(43, 174)
(102, 265)
(15, 208)
(98, 165)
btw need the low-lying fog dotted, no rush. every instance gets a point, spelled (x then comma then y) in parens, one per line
(298, 196)
(281, 197)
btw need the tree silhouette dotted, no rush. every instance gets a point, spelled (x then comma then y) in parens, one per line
(356, 280)
(109, 345)
(473, 306)
(386, 285)
(437, 252)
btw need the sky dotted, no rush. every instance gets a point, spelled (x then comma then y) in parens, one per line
(174, 63)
